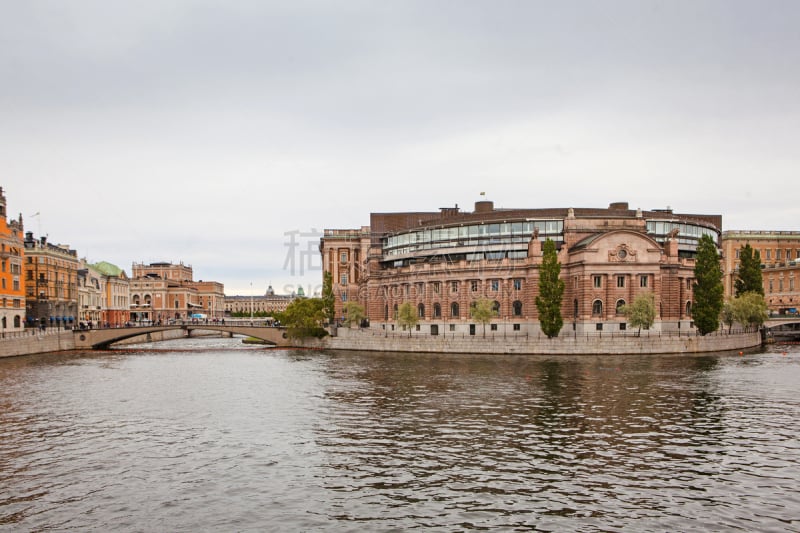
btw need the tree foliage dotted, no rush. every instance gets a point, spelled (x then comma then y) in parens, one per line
(641, 313)
(748, 278)
(728, 316)
(482, 311)
(551, 291)
(708, 289)
(407, 316)
(327, 296)
(353, 314)
(750, 309)
(304, 318)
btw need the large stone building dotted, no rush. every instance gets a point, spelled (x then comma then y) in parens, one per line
(443, 261)
(51, 283)
(12, 289)
(261, 305)
(780, 265)
(167, 291)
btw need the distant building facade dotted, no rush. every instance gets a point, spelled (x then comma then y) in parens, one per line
(267, 303)
(12, 287)
(442, 262)
(780, 265)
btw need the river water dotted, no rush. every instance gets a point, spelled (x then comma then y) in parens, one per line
(214, 435)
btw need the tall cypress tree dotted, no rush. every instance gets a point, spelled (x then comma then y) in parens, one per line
(749, 279)
(708, 289)
(551, 291)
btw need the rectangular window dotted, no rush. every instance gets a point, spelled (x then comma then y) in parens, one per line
(17, 304)
(737, 253)
(437, 287)
(623, 326)
(598, 326)
(770, 285)
(517, 284)
(780, 285)
(452, 327)
(769, 255)
(778, 254)
(495, 285)
(493, 327)
(344, 296)
(597, 281)
(343, 280)
(643, 281)
(473, 285)
(791, 284)
(621, 282)
(343, 257)
(516, 327)
(453, 286)
(689, 284)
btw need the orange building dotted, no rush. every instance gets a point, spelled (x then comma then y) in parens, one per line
(12, 290)
(780, 265)
(167, 291)
(442, 262)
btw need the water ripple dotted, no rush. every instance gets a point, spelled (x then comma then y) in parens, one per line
(230, 439)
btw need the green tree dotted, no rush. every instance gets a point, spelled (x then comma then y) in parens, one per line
(407, 316)
(728, 315)
(641, 313)
(748, 278)
(304, 318)
(551, 291)
(482, 311)
(708, 289)
(750, 309)
(353, 314)
(327, 296)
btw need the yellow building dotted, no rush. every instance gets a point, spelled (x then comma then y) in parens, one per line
(12, 291)
(51, 283)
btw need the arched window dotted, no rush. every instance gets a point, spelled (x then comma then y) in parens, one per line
(386, 312)
(620, 305)
(421, 310)
(437, 310)
(517, 308)
(395, 311)
(17, 321)
(5, 322)
(454, 310)
(688, 308)
(597, 308)
(496, 308)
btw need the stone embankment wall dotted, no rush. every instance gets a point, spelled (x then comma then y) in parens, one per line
(36, 341)
(367, 340)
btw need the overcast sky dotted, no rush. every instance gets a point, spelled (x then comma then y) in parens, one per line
(214, 133)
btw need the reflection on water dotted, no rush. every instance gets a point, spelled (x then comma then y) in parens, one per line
(209, 434)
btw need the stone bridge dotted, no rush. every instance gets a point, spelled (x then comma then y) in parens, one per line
(103, 338)
(785, 330)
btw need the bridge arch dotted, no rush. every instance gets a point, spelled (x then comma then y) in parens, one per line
(99, 339)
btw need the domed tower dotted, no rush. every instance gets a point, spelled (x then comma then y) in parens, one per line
(270, 291)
